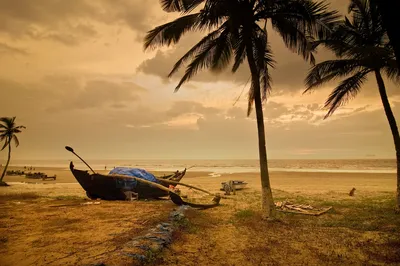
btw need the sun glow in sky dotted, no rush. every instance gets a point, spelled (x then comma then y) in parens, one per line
(75, 73)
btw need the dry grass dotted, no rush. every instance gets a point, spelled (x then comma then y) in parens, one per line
(359, 230)
(60, 231)
(19, 196)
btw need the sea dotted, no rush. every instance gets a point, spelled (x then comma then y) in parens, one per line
(228, 166)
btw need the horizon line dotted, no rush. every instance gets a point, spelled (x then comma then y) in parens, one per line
(204, 159)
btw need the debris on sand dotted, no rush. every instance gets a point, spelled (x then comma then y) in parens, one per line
(285, 206)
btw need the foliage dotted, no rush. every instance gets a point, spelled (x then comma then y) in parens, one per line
(361, 46)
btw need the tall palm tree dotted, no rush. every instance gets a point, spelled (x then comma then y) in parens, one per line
(8, 131)
(362, 48)
(237, 29)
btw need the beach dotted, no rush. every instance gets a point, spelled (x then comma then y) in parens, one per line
(302, 182)
(50, 219)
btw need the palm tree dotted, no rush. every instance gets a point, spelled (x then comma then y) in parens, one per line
(8, 131)
(362, 48)
(237, 29)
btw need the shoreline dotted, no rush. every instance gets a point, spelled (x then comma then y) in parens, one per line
(213, 170)
(297, 182)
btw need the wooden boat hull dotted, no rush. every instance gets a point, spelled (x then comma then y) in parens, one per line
(109, 187)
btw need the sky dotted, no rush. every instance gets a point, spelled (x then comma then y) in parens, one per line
(75, 73)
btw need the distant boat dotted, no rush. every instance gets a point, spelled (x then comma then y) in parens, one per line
(236, 183)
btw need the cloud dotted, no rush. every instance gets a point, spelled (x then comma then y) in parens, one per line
(59, 93)
(180, 129)
(99, 93)
(73, 22)
(6, 49)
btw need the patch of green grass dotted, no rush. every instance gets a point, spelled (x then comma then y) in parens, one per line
(361, 214)
(186, 226)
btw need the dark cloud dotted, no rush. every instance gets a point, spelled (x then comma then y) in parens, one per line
(60, 93)
(99, 93)
(72, 22)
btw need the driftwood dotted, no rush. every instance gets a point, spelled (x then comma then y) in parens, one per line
(300, 208)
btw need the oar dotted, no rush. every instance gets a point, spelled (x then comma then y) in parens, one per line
(68, 148)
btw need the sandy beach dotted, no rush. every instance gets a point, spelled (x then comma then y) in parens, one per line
(49, 218)
(301, 182)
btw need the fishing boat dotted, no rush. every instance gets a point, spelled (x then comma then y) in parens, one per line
(115, 185)
(238, 184)
(124, 183)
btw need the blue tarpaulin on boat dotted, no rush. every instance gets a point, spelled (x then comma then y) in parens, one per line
(130, 184)
(136, 172)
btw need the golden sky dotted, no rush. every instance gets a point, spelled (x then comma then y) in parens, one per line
(74, 73)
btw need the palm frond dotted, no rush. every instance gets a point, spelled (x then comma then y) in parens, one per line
(6, 142)
(392, 70)
(294, 37)
(346, 90)
(195, 49)
(183, 6)
(264, 59)
(202, 60)
(314, 18)
(329, 70)
(16, 141)
(239, 47)
(171, 32)
(222, 52)
(251, 95)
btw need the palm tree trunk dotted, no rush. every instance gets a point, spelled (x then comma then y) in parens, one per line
(267, 201)
(393, 127)
(8, 160)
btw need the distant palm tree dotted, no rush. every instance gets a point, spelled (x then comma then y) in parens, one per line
(362, 47)
(237, 28)
(8, 131)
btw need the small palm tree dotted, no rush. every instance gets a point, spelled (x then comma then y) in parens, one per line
(362, 48)
(237, 29)
(8, 131)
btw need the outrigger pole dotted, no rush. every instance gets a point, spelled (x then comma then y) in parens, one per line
(68, 148)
